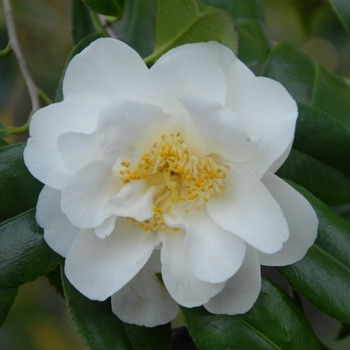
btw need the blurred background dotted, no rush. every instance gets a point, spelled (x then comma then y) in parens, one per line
(39, 319)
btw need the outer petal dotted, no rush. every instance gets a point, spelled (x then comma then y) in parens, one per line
(41, 154)
(241, 290)
(59, 233)
(135, 200)
(218, 131)
(85, 197)
(144, 300)
(247, 209)
(106, 69)
(100, 267)
(265, 109)
(302, 222)
(106, 228)
(212, 254)
(182, 285)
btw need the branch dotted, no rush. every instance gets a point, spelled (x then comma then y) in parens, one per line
(107, 26)
(13, 41)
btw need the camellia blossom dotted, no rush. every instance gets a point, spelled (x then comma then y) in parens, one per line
(159, 183)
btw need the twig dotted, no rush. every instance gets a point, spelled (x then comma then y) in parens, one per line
(107, 26)
(13, 41)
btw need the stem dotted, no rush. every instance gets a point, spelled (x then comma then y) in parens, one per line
(107, 26)
(13, 41)
(96, 22)
(6, 50)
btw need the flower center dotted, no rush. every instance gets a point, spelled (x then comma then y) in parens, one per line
(180, 175)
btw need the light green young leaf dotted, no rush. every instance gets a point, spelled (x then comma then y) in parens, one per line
(342, 9)
(323, 276)
(254, 42)
(7, 297)
(189, 21)
(274, 322)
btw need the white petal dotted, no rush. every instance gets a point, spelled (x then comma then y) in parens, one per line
(134, 200)
(266, 110)
(78, 149)
(247, 209)
(124, 122)
(100, 267)
(106, 228)
(241, 291)
(182, 285)
(87, 193)
(59, 233)
(212, 254)
(219, 131)
(144, 301)
(41, 154)
(106, 69)
(301, 218)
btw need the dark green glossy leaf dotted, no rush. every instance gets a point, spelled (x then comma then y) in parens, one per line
(325, 182)
(309, 82)
(254, 42)
(24, 255)
(82, 44)
(19, 190)
(55, 279)
(344, 332)
(322, 137)
(80, 21)
(106, 7)
(342, 8)
(274, 322)
(138, 25)
(7, 297)
(323, 276)
(97, 325)
(189, 21)
(3, 143)
(143, 338)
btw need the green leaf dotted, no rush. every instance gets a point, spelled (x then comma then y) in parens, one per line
(19, 190)
(190, 21)
(323, 276)
(24, 254)
(308, 82)
(322, 137)
(3, 143)
(342, 9)
(344, 332)
(106, 7)
(325, 182)
(82, 44)
(80, 21)
(274, 322)
(137, 27)
(254, 41)
(143, 338)
(97, 325)
(7, 297)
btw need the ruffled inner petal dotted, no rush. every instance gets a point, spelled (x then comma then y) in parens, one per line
(144, 300)
(241, 290)
(301, 219)
(246, 209)
(99, 268)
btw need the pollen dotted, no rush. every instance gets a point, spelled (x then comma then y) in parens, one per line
(180, 175)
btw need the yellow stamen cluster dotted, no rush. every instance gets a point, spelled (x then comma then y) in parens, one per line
(181, 176)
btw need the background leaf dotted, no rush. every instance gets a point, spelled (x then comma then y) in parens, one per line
(97, 325)
(254, 42)
(24, 255)
(80, 21)
(19, 190)
(342, 9)
(7, 297)
(106, 7)
(190, 21)
(323, 276)
(274, 322)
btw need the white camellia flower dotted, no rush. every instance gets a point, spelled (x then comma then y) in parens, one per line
(168, 170)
